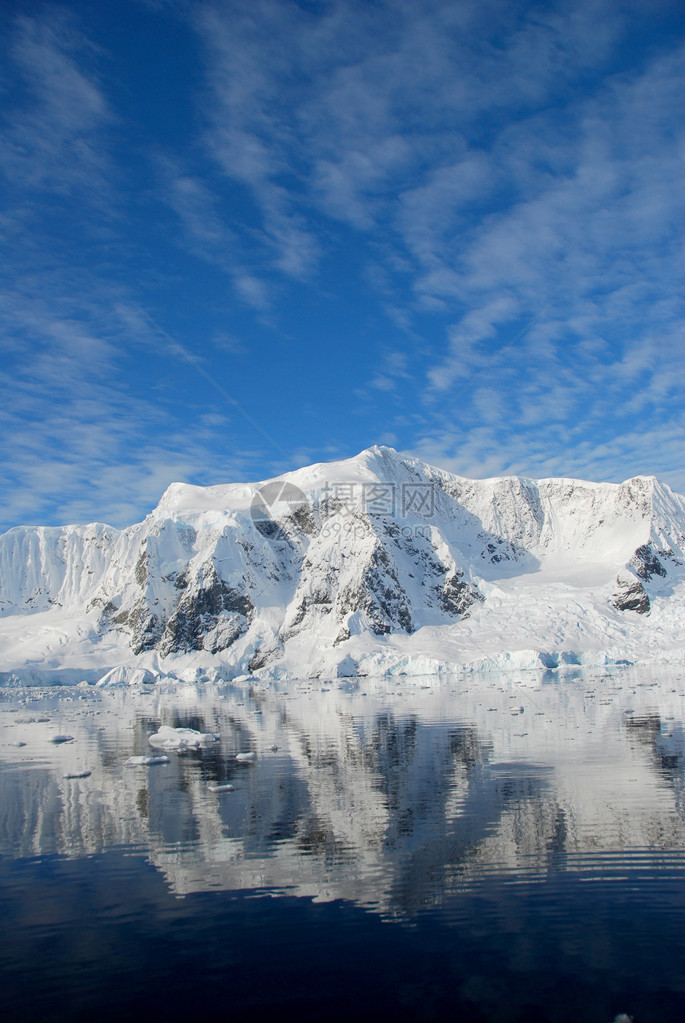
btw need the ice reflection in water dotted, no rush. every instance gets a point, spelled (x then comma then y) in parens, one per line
(395, 797)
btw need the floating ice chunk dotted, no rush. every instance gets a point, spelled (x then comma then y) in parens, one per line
(146, 761)
(246, 758)
(57, 739)
(78, 774)
(123, 676)
(221, 788)
(181, 738)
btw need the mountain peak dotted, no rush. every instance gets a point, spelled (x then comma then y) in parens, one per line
(379, 562)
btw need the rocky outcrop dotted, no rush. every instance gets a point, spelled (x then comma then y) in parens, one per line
(210, 616)
(646, 562)
(632, 597)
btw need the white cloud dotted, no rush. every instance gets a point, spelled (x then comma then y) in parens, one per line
(482, 451)
(248, 139)
(191, 200)
(87, 439)
(53, 139)
(393, 367)
(253, 291)
(599, 242)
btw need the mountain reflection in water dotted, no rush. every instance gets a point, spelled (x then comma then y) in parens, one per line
(394, 796)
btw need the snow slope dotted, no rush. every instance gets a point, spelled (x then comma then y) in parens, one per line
(377, 564)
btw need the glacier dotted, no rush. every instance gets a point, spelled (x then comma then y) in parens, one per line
(377, 565)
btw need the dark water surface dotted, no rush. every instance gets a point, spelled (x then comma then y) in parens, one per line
(503, 849)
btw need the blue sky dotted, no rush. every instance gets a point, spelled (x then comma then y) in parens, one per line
(240, 236)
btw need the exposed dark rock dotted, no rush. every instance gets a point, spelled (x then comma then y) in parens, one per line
(258, 660)
(210, 617)
(666, 554)
(646, 563)
(496, 549)
(140, 571)
(271, 530)
(181, 581)
(342, 635)
(319, 600)
(107, 610)
(301, 518)
(146, 628)
(379, 595)
(356, 598)
(457, 596)
(632, 598)
(263, 655)
(451, 594)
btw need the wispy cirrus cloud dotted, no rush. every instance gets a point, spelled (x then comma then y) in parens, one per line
(593, 242)
(82, 435)
(647, 449)
(250, 139)
(453, 131)
(53, 131)
(94, 421)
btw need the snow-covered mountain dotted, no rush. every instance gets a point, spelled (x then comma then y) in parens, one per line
(371, 565)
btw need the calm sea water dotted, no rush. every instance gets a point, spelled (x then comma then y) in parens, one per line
(509, 848)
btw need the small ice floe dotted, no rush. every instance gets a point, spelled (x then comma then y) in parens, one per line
(57, 739)
(246, 758)
(221, 788)
(146, 761)
(181, 738)
(78, 774)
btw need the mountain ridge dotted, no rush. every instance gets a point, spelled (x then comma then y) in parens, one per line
(378, 563)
